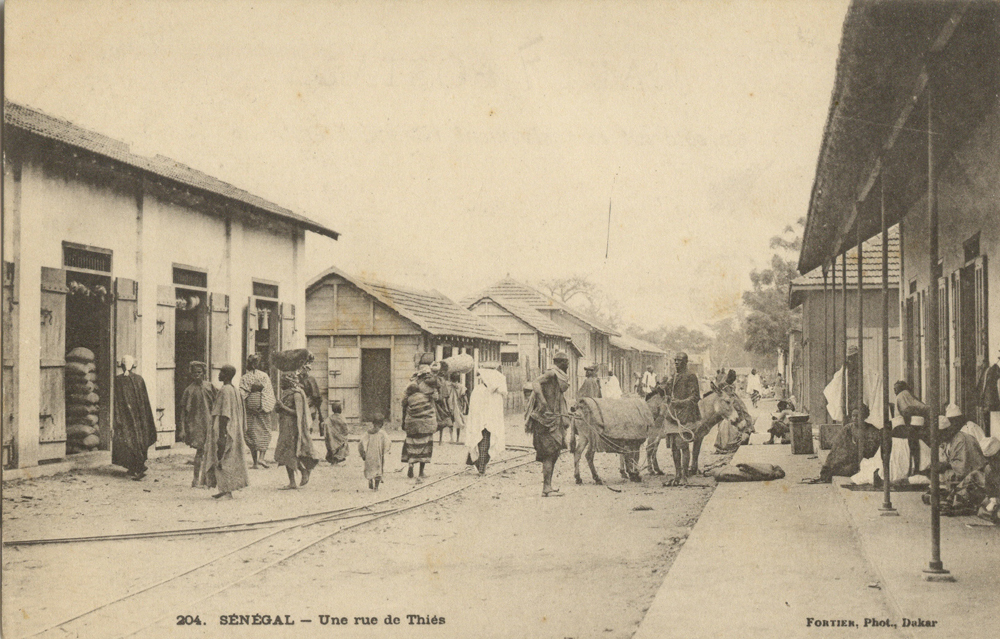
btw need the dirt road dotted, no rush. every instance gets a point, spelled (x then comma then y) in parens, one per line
(493, 560)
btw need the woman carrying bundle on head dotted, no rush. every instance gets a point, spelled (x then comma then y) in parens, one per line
(294, 449)
(419, 421)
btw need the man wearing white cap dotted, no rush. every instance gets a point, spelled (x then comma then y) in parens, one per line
(956, 419)
(981, 488)
(960, 452)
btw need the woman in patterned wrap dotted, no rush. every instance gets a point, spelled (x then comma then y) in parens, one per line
(419, 421)
(258, 396)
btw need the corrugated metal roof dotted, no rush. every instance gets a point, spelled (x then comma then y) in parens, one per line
(526, 314)
(511, 289)
(43, 125)
(430, 310)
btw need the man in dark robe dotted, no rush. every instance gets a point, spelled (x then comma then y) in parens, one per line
(546, 418)
(224, 466)
(135, 430)
(335, 434)
(683, 393)
(590, 387)
(196, 414)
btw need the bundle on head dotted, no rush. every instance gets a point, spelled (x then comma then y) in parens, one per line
(292, 360)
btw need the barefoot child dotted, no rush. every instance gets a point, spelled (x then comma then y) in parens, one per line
(374, 447)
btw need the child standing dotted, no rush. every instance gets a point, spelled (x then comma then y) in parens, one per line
(374, 447)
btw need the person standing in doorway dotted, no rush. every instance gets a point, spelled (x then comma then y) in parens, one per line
(648, 381)
(546, 421)
(135, 429)
(258, 395)
(224, 466)
(196, 413)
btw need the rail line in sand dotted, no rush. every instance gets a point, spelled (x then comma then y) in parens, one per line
(110, 613)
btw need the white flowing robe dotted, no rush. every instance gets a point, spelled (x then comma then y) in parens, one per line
(610, 389)
(486, 412)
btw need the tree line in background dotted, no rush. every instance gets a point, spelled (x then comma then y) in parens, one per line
(752, 337)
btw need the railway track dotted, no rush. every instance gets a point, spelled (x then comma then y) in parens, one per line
(282, 540)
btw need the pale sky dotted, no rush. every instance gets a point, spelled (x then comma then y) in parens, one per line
(453, 143)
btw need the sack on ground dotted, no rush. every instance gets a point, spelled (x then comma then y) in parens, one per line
(748, 472)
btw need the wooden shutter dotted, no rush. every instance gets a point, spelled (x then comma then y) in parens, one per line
(250, 327)
(287, 326)
(126, 341)
(52, 343)
(218, 333)
(943, 350)
(163, 411)
(982, 315)
(343, 380)
(8, 402)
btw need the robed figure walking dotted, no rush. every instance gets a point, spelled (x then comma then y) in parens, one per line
(134, 430)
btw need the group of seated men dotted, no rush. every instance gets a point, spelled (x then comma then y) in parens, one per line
(968, 463)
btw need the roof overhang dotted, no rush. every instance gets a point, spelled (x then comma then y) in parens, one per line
(895, 57)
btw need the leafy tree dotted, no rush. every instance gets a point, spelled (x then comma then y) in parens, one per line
(585, 296)
(769, 321)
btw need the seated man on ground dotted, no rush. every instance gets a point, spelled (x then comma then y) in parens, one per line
(843, 459)
(961, 456)
(779, 422)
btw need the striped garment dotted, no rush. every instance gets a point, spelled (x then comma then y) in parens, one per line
(418, 448)
(259, 405)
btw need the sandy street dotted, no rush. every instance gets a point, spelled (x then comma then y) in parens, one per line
(493, 560)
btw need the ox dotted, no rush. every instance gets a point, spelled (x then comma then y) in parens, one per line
(714, 407)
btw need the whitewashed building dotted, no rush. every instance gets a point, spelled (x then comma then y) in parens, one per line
(130, 255)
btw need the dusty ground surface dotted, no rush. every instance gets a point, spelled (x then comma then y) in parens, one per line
(494, 560)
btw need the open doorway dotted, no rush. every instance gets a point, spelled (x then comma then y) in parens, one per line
(376, 382)
(190, 338)
(89, 369)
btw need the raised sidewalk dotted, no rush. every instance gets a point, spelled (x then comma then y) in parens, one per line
(766, 558)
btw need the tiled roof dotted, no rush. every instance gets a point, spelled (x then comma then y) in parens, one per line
(629, 343)
(528, 315)
(511, 289)
(871, 269)
(430, 310)
(37, 123)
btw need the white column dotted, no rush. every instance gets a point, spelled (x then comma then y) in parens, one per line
(28, 291)
(299, 291)
(149, 255)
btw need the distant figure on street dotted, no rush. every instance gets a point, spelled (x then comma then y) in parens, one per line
(224, 466)
(135, 430)
(590, 387)
(374, 449)
(335, 434)
(648, 381)
(258, 396)
(754, 387)
(442, 402)
(546, 421)
(486, 436)
(196, 413)
(294, 449)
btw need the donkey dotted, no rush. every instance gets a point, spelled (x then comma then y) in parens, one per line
(714, 407)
